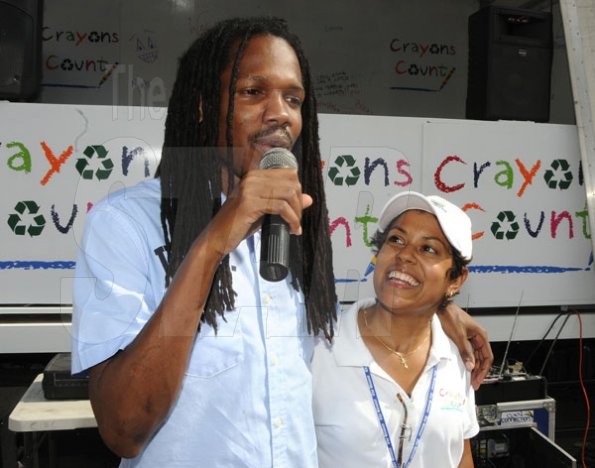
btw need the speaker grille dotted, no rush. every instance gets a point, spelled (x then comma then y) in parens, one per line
(20, 49)
(510, 56)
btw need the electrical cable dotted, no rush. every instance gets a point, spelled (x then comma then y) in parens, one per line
(583, 388)
(549, 352)
(542, 339)
(516, 316)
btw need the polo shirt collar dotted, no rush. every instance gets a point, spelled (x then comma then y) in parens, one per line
(351, 351)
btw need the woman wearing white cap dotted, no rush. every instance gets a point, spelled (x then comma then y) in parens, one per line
(392, 390)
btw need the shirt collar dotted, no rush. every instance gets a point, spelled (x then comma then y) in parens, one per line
(350, 349)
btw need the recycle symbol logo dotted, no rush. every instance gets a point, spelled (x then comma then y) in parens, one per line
(26, 209)
(507, 219)
(344, 163)
(559, 176)
(104, 169)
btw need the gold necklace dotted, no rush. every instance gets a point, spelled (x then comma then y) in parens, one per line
(402, 356)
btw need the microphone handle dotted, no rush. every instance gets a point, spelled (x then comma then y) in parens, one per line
(274, 248)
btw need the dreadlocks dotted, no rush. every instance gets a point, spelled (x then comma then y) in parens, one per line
(190, 169)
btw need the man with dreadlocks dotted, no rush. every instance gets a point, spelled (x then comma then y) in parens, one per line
(193, 359)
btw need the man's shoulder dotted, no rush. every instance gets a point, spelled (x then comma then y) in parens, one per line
(130, 199)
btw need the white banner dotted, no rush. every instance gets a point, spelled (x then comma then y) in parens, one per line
(521, 184)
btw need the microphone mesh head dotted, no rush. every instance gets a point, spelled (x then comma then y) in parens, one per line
(278, 158)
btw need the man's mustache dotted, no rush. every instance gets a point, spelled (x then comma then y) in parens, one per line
(277, 132)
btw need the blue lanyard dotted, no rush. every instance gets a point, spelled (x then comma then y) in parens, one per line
(422, 426)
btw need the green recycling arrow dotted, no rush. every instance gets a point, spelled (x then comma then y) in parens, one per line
(15, 220)
(342, 163)
(506, 227)
(106, 165)
(559, 176)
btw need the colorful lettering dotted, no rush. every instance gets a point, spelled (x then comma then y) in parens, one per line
(505, 177)
(532, 232)
(527, 175)
(584, 216)
(369, 168)
(56, 219)
(128, 157)
(474, 206)
(55, 163)
(343, 222)
(440, 185)
(557, 219)
(401, 164)
(365, 219)
(477, 172)
(23, 154)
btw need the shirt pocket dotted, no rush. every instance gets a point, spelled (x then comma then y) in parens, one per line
(214, 354)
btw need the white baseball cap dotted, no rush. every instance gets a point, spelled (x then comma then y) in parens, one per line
(455, 223)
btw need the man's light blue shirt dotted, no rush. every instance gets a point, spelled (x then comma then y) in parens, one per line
(246, 397)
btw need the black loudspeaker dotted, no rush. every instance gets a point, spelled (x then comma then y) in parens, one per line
(510, 62)
(20, 48)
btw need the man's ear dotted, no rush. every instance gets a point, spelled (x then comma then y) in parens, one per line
(200, 114)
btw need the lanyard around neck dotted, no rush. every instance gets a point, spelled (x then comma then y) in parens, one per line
(382, 421)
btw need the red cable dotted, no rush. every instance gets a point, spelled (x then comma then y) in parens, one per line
(580, 376)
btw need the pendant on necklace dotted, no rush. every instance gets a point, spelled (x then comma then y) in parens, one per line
(401, 356)
(403, 360)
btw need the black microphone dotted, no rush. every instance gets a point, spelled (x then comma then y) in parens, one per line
(274, 241)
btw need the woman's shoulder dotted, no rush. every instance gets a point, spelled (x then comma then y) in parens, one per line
(446, 350)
